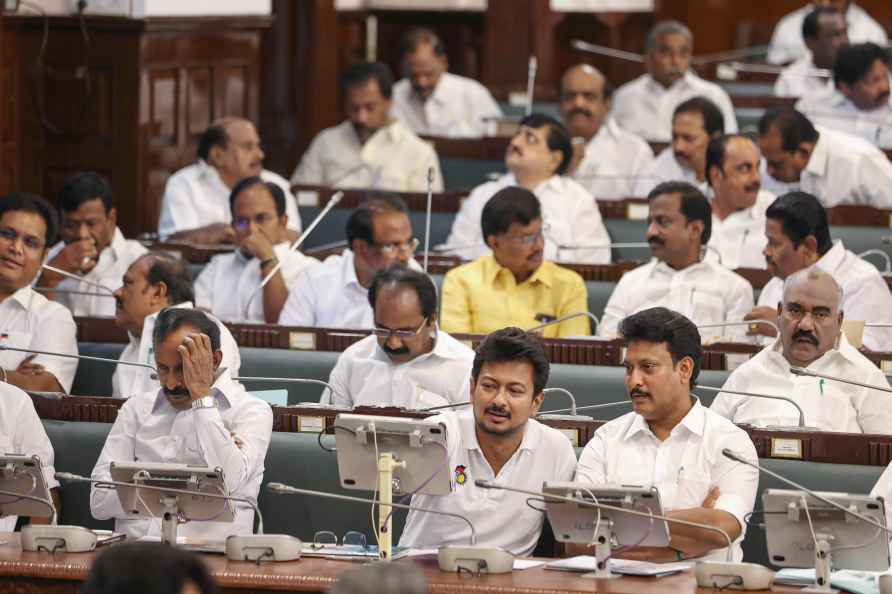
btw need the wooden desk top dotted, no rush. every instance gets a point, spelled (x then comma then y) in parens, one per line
(34, 570)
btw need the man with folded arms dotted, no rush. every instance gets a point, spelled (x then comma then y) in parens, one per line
(495, 439)
(514, 285)
(674, 443)
(799, 237)
(229, 286)
(810, 321)
(679, 276)
(407, 361)
(537, 159)
(199, 416)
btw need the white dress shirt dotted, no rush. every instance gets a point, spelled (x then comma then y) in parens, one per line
(666, 168)
(113, 262)
(28, 320)
(740, 238)
(393, 158)
(229, 280)
(645, 107)
(365, 376)
(21, 432)
(827, 405)
(129, 380)
(459, 107)
(866, 295)
(683, 467)
(150, 429)
(831, 109)
(614, 159)
(787, 43)
(570, 217)
(705, 293)
(799, 79)
(500, 518)
(195, 196)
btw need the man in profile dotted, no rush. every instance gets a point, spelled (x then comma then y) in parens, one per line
(434, 102)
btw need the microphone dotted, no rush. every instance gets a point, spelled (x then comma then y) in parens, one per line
(42, 500)
(544, 412)
(69, 292)
(754, 395)
(263, 538)
(745, 52)
(532, 67)
(445, 249)
(741, 323)
(882, 254)
(585, 46)
(4, 347)
(569, 395)
(801, 371)
(290, 380)
(770, 69)
(587, 314)
(427, 218)
(586, 246)
(80, 279)
(587, 407)
(332, 202)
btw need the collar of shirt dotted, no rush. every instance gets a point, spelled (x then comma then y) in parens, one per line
(442, 349)
(832, 261)
(392, 133)
(348, 271)
(661, 268)
(609, 131)
(148, 327)
(23, 297)
(441, 95)
(694, 422)
(118, 244)
(555, 182)
(817, 162)
(496, 274)
(531, 434)
(774, 353)
(224, 390)
(688, 80)
(208, 172)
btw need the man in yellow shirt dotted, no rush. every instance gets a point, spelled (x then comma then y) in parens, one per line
(513, 286)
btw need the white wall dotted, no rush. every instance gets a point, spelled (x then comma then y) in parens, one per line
(143, 8)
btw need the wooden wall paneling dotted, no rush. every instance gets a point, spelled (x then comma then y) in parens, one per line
(9, 106)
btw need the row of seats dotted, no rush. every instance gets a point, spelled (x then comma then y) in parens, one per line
(296, 459)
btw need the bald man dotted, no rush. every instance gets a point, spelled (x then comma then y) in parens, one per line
(810, 320)
(195, 206)
(606, 158)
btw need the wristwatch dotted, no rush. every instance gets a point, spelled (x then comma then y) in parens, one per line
(205, 402)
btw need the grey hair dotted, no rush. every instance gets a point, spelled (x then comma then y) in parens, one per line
(667, 28)
(812, 273)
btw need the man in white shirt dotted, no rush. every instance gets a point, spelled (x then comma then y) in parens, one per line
(606, 158)
(496, 440)
(199, 416)
(695, 122)
(408, 361)
(810, 321)
(860, 102)
(21, 432)
(786, 41)
(229, 286)
(434, 102)
(370, 149)
(824, 32)
(836, 167)
(28, 320)
(195, 205)
(674, 443)
(645, 105)
(537, 159)
(678, 277)
(335, 293)
(154, 282)
(738, 202)
(799, 237)
(92, 247)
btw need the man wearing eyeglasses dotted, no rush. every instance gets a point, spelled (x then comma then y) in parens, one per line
(407, 361)
(335, 294)
(810, 320)
(229, 286)
(28, 320)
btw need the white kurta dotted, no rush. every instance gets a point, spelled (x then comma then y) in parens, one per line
(683, 467)
(614, 159)
(799, 79)
(459, 107)
(866, 296)
(666, 168)
(500, 518)
(570, 217)
(109, 271)
(28, 320)
(129, 380)
(831, 109)
(196, 196)
(645, 107)
(229, 281)
(827, 405)
(149, 429)
(740, 238)
(365, 376)
(393, 158)
(705, 293)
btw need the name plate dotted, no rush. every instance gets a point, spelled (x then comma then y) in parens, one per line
(786, 447)
(307, 198)
(637, 212)
(572, 435)
(306, 424)
(302, 341)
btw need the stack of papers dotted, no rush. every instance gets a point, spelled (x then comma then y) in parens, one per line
(586, 563)
(856, 582)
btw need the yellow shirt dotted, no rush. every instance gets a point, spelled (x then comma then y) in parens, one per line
(482, 296)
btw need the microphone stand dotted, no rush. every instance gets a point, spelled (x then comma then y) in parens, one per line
(769, 396)
(70, 356)
(427, 218)
(80, 279)
(588, 314)
(801, 371)
(532, 67)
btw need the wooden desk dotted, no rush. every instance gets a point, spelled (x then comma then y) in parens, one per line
(63, 573)
(319, 196)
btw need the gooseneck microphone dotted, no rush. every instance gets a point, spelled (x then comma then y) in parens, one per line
(427, 216)
(801, 371)
(587, 314)
(79, 279)
(741, 323)
(755, 395)
(42, 500)
(4, 347)
(532, 68)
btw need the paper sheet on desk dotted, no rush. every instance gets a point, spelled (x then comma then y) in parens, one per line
(856, 582)
(620, 566)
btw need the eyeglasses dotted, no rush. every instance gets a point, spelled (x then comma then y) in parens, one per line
(326, 538)
(388, 249)
(386, 333)
(11, 235)
(796, 313)
(242, 223)
(526, 240)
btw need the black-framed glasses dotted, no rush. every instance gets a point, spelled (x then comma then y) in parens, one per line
(327, 538)
(242, 223)
(386, 333)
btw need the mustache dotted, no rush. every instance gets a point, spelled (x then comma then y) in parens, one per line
(177, 393)
(680, 156)
(579, 111)
(535, 255)
(638, 391)
(403, 350)
(805, 335)
(753, 187)
(654, 240)
(497, 409)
